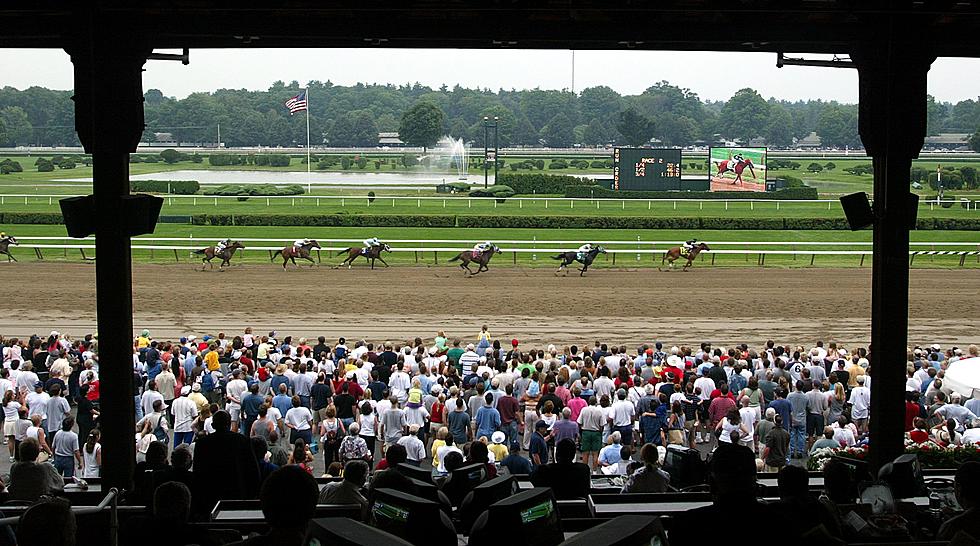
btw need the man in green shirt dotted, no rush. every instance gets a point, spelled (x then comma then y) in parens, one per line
(453, 356)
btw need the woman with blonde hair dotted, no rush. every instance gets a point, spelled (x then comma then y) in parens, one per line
(415, 394)
(11, 411)
(837, 400)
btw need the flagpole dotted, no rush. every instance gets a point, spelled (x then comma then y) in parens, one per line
(309, 180)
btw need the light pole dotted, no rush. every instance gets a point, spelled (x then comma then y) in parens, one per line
(487, 156)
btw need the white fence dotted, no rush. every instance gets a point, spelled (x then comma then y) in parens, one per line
(458, 200)
(420, 248)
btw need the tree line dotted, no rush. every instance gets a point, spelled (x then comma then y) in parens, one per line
(354, 115)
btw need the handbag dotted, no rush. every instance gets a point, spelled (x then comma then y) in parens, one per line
(675, 437)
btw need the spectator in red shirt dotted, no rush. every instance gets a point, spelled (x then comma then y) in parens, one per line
(920, 432)
(720, 405)
(912, 409)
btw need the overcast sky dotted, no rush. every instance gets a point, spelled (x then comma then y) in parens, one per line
(714, 76)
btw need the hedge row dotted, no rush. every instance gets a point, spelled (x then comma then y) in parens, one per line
(255, 189)
(329, 220)
(536, 222)
(46, 218)
(586, 192)
(176, 187)
(560, 222)
(540, 183)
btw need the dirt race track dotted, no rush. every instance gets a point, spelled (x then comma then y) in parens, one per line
(623, 306)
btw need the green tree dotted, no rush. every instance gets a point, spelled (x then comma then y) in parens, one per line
(635, 128)
(969, 175)
(677, 130)
(837, 126)
(559, 132)
(975, 141)
(744, 116)
(18, 126)
(936, 113)
(814, 167)
(599, 102)
(779, 128)
(596, 133)
(421, 125)
(355, 128)
(3, 131)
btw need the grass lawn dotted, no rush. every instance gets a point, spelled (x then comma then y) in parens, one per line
(459, 205)
(627, 240)
(832, 183)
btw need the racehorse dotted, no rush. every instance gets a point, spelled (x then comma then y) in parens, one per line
(372, 253)
(567, 258)
(291, 253)
(676, 252)
(225, 255)
(737, 168)
(4, 248)
(483, 259)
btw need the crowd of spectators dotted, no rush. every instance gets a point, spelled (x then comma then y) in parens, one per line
(221, 414)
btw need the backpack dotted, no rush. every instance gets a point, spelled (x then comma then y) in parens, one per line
(159, 432)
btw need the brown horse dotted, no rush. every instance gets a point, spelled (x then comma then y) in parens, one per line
(483, 259)
(291, 253)
(736, 167)
(675, 253)
(225, 255)
(5, 247)
(373, 253)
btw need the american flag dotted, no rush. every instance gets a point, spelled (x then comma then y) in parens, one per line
(297, 103)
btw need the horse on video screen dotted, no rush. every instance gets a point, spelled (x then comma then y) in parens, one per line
(371, 254)
(482, 259)
(225, 255)
(290, 253)
(674, 253)
(736, 167)
(567, 258)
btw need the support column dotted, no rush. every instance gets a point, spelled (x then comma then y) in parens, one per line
(892, 123)
(109, 121)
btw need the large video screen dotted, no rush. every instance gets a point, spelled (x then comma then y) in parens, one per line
(737, 169)
(647, 169)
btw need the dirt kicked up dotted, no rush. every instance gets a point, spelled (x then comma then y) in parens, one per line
(720, 305)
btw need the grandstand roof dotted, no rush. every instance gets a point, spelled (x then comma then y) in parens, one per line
(827, 26)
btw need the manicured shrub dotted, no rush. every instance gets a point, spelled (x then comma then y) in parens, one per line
(176, 187)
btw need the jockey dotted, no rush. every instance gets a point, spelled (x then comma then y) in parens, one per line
(689, 245)
(480, 248)
(583, 250)
(736, 160)
(222, 244)
(371, 243)
(3, 235)
(299, 243)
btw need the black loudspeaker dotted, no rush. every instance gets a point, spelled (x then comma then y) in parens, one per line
(857, 210)
(913, 209)
(79, 216)
(142, 212)
(139, 211)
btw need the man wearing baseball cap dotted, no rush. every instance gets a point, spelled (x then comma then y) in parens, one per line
(184, 411)
(539, 444)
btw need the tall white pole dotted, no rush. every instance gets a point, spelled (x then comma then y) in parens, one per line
(309, 179)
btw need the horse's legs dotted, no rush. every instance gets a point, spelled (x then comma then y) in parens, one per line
(312, 261)
(383, 261)
(372, 264)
